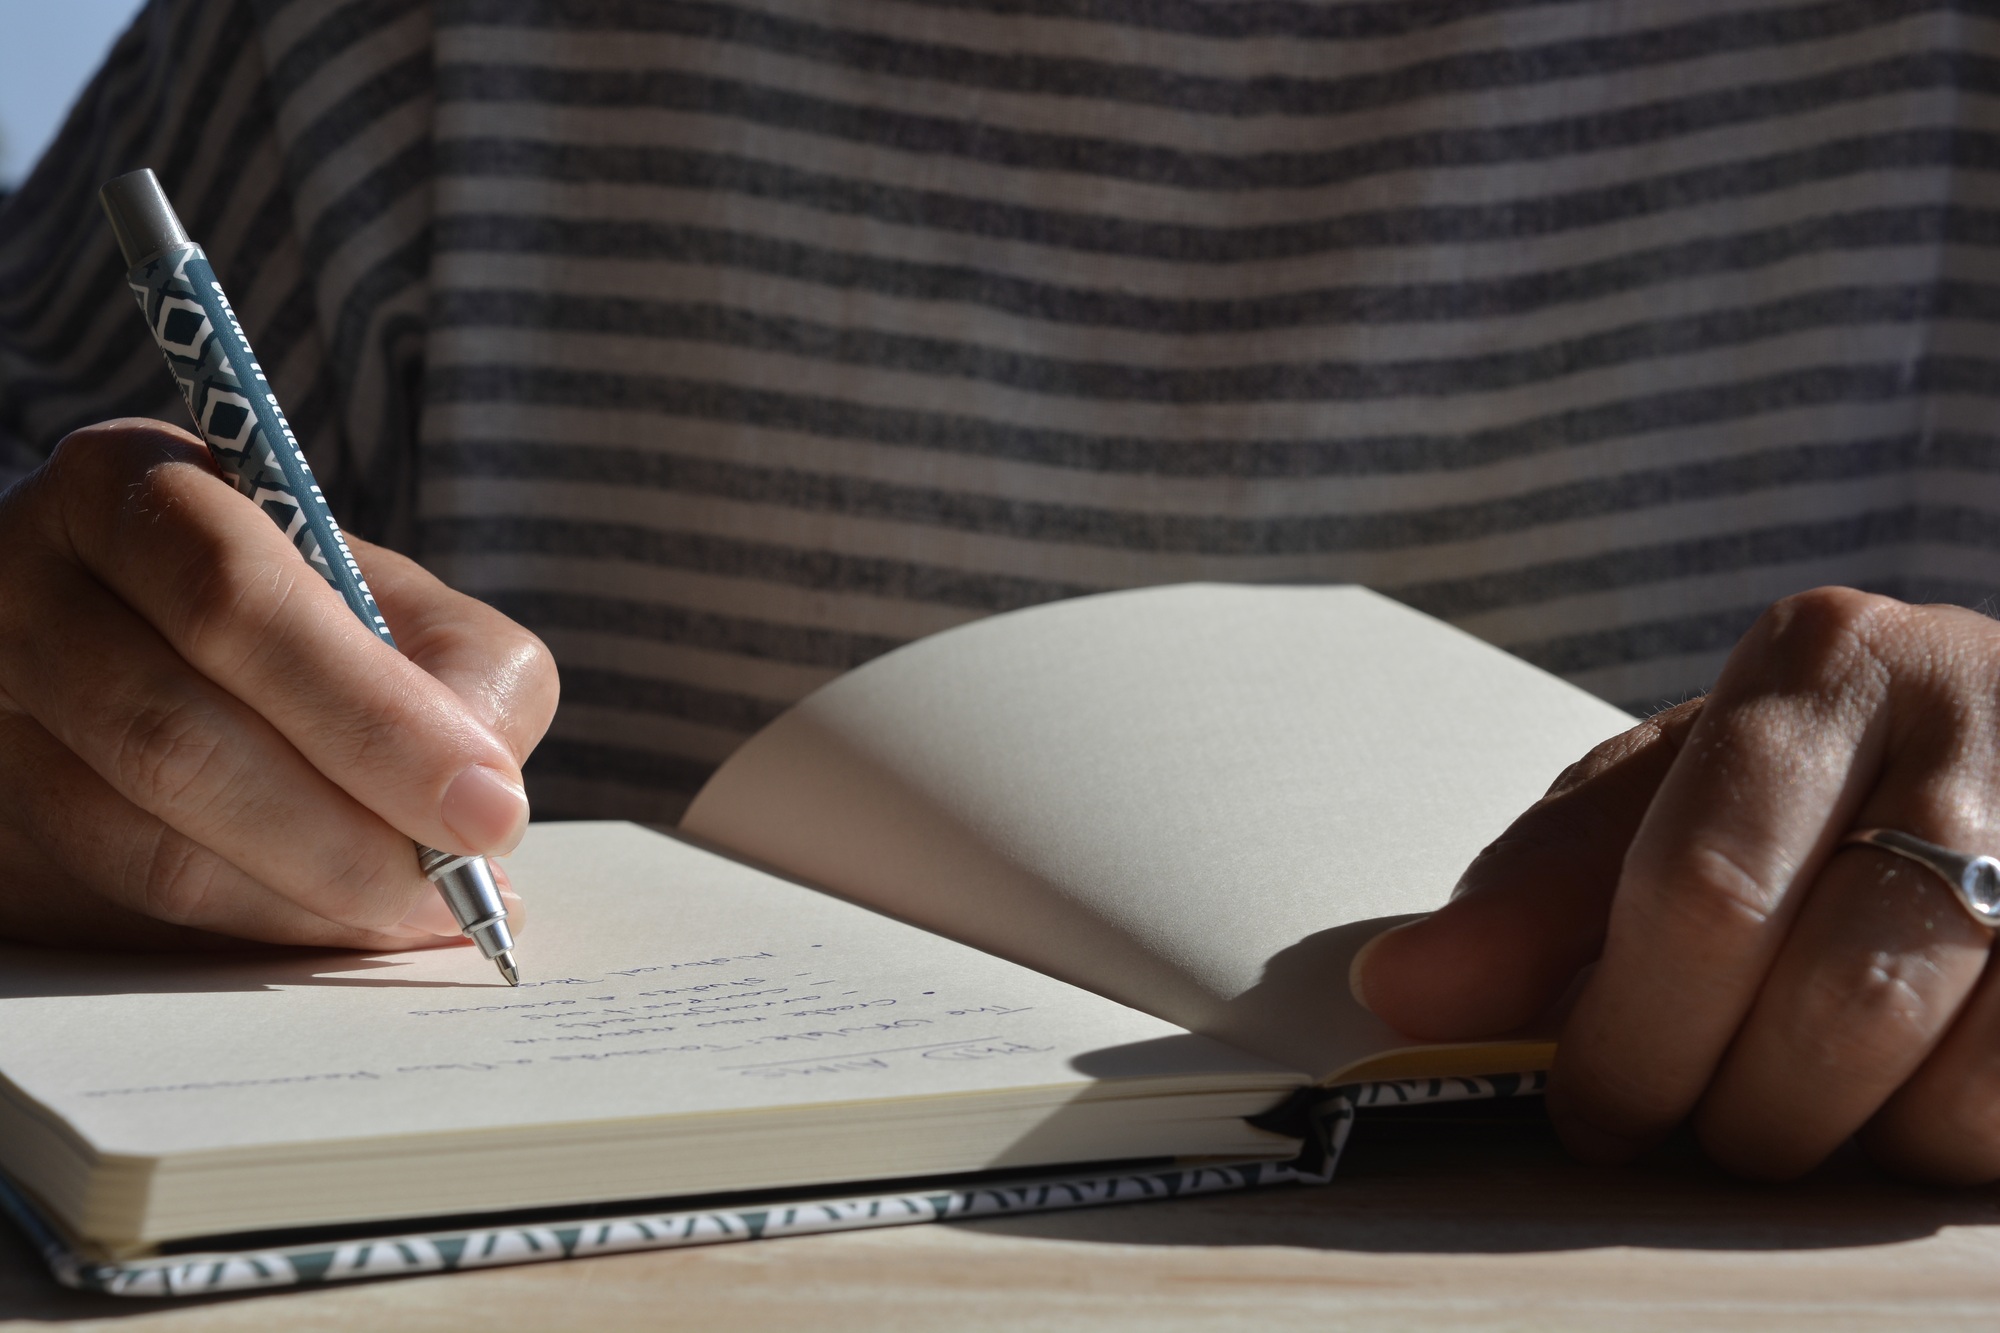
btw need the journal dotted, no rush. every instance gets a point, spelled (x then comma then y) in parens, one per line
(1058, 898)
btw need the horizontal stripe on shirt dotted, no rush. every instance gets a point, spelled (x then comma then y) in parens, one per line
(730, 345)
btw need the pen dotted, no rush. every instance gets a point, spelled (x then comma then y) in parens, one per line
(246, 433)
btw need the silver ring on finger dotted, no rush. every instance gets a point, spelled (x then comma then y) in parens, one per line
(1973, 880)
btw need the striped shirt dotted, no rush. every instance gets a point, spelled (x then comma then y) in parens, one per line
(728, 344)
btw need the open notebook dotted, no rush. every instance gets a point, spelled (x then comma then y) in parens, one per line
(1072, 886)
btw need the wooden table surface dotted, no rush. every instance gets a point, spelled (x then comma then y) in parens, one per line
(1440, 1227)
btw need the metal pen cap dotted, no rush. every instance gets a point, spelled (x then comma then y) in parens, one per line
(142, 221)
(471, 892)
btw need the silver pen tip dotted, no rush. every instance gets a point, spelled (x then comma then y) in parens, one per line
(505, 962)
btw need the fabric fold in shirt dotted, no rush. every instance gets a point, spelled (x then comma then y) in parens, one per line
(729, 345)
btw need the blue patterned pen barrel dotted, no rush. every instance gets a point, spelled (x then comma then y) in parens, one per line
(238, 415)
(246, 432)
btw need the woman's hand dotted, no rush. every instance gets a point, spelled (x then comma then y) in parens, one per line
(198, 739)
(1752, 973)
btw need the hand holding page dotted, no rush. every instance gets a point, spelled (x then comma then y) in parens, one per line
(1199, 801)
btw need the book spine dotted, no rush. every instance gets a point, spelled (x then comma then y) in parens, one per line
(1330, 1118)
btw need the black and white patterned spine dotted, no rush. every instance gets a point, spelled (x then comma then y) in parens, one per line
(1328, 1115)
(238, 415)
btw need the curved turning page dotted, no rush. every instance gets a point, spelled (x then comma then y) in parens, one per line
(1195, 800)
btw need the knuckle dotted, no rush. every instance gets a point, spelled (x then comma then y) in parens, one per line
(122, 458)
(177, 884)
(78, 462)
(1583, 770)
(228, 608)
(1869, 1013)
(383, 737)
(536, 662)
(1602, 758)
(1553, 827)
(1713, 894)
(1664, 730)
(518, 685)
(533, 667)
(170, 756)
(111, 492)
(372, 886)
(1670, 726)
(124, 440)
(1831, 625)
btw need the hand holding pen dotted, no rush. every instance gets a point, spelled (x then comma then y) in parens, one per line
(198, 739)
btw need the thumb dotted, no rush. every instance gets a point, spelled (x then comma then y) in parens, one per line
(1530, 910)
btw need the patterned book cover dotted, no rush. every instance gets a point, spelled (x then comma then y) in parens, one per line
(1321, 1119)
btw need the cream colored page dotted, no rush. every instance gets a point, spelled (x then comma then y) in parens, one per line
(1196, 800)
(658, 979)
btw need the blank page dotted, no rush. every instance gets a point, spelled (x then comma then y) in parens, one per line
(1196, 800)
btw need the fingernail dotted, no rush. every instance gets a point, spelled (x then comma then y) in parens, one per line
(484, 811)
(430, 915)
(1360, 962)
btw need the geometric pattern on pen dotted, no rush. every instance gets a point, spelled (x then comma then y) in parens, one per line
(242, 425)
(216, 398)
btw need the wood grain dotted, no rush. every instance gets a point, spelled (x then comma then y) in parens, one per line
(1442, 1226)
